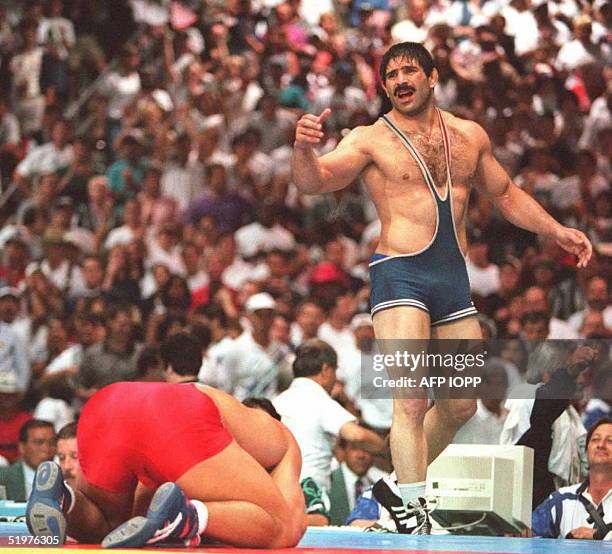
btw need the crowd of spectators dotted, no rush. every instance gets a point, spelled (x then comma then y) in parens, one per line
(145, 175)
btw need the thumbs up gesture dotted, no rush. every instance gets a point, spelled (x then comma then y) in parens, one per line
(309, 129)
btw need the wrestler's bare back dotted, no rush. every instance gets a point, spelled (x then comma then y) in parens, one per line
(404, 203)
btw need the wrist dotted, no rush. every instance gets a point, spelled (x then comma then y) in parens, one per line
(302, 145)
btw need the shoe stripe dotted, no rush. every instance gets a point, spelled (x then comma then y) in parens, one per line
(166, 531)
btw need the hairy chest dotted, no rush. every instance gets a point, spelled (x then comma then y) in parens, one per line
(398, 162)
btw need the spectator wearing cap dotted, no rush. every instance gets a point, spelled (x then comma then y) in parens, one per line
(251, 364)
(375, 413)
(12, 415)
(56, 266)
(14, 361)
(51, 157)
(37, 444)
(327, 282)
(64, 220)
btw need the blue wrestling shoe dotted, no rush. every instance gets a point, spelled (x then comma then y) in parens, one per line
(171, 518)
(48, 503)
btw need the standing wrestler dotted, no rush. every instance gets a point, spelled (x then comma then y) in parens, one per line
(419, 165)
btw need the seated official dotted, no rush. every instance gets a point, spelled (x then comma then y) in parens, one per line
(566, 512)
(36, 445)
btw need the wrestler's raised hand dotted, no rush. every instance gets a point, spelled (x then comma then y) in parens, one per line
(309, 130)
(577, 243)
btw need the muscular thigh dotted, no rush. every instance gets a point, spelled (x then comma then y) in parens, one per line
(402, 322)
(260, 435)
(233, 474)
(467, 328)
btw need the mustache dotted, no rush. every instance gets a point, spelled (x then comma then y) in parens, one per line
(403, 88)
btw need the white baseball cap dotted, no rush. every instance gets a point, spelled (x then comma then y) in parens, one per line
(260, 301)
(361, 320)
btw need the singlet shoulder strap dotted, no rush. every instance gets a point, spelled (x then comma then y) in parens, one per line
(447, 147)
(417, 156)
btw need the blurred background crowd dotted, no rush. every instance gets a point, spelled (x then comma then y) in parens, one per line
(145, 183)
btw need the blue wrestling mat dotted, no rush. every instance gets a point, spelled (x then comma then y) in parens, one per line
(346, 539)
(320, 540)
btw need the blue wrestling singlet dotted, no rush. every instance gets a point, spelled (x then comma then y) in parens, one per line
(435, 278)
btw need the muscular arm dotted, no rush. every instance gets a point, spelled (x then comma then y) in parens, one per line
(517, 206)
(334, 170)
(286, 474)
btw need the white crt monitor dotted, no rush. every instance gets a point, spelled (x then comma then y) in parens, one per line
(482, 489)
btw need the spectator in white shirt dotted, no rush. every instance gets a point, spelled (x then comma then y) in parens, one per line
(251, 364)
(484, 275)
(582, 50)
(486, 425)
(26, 69)
(183, 177)
(48, 158)
(314, 417)
(309, 317)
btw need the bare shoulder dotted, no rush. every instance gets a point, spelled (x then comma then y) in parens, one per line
(470, 131)
(360, 137)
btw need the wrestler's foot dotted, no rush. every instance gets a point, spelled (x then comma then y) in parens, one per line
(49, 502)
(412, 519)
(171, 518)
(419, 511)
